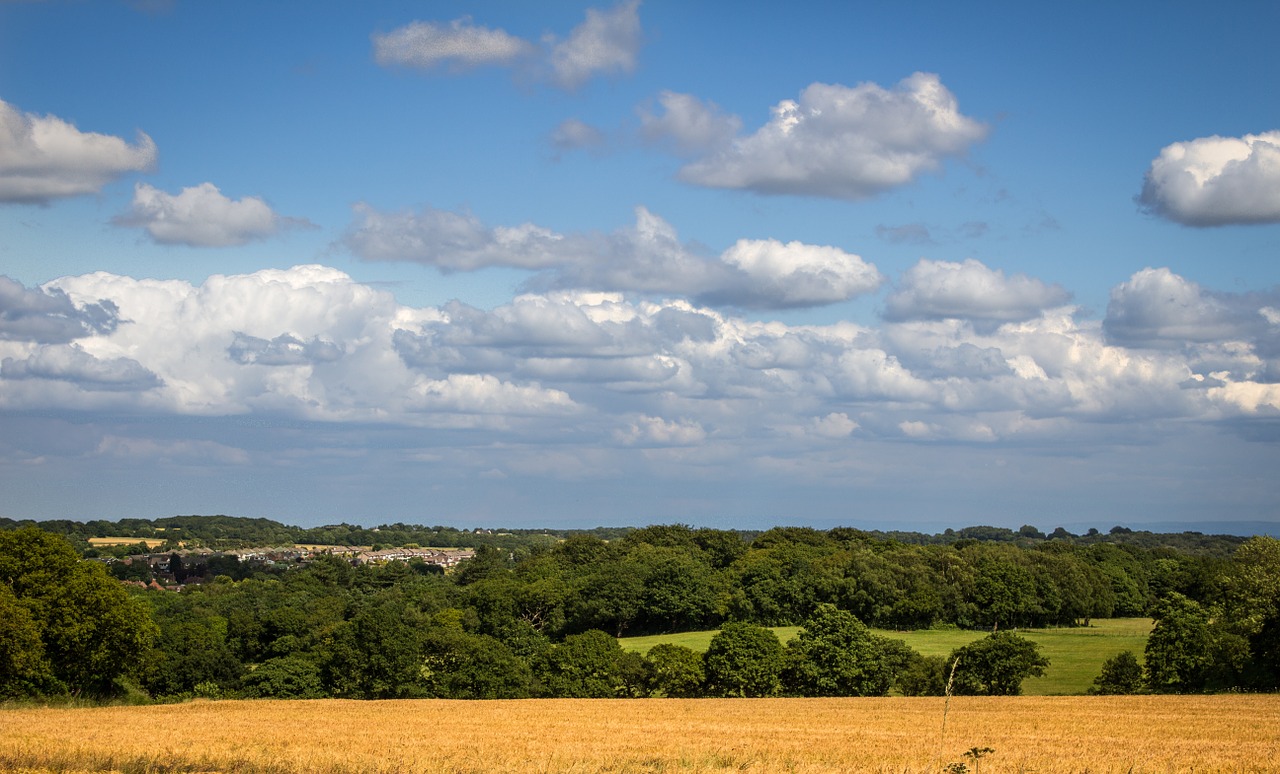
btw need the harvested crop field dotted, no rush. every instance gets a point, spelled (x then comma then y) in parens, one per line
(1042, 734)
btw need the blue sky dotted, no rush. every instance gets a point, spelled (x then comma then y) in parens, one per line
(913, 265)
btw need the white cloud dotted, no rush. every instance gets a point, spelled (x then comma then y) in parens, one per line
(933, 290)
(690, 125)
(201, 216)
(44, 158)
(798, 274)
(833, 425)
(588, 370)
(459, 45)
(842, 142)
(1157, 308)
(656, 431)
(1216, 181)
(485, 394)
(606, 42)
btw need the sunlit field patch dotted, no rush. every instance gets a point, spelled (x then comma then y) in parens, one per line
(1075, 654)
(1237, 733)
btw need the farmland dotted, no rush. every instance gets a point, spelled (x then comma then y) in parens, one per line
(1235, 733)
(1075, 654)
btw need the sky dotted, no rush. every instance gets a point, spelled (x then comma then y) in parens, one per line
(907, 265)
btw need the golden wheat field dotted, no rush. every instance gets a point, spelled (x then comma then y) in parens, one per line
(1025, 734)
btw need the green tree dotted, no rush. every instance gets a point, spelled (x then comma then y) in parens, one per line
(375, 655)
(295, 676)
(458, 665)
(24, 671)
(675, 671)
(924, 676)
(91, 631)
(584, 666)
(1179, 651)
(835, 654)
(996, 665)
(191, 650)
(743, 659)
(1121, 674)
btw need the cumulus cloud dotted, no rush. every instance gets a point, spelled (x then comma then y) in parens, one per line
(589, 370)
(833, 425)
(795, 274)
(843, 142)
(933, 290)
(1216, 181)
(1160, 309)
(458, 45)
(688, 124)
(48, 315)
(44, 158)
(606, 42)
(70, 363)
(201, 216)
(656, 431)
(647, 257)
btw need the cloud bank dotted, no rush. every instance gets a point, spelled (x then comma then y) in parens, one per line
(599, 368)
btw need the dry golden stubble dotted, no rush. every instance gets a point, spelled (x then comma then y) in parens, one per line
(1043, 734)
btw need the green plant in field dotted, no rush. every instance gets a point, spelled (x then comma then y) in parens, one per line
(974, 753)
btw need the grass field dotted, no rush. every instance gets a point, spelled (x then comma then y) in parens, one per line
(1048, 735)
(1075, 654)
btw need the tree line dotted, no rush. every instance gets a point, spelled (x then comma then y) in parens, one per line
(542, 618)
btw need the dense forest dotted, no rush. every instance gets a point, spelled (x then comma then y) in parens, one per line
(537, 613)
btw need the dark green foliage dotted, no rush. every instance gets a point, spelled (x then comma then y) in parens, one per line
(24, 671)
(1179, 651)
(375, 655)
(744, 659)
(191, 650)
(924, 676)
(675, 671)
(834, 654)
(326, 627)
(584, 666)
(458, 665)
(1121, 674)
(996, 665)
(295, 676)
(91, 632)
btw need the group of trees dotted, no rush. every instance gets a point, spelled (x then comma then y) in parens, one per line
(541, 619)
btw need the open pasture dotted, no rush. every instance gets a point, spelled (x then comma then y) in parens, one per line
(1237, 733)
(1075, 654)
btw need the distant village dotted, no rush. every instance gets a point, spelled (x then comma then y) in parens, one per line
(174, 568)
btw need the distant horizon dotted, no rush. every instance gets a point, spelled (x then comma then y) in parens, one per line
(1078, 529)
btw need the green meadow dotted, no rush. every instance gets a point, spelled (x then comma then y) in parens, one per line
(1075, 654)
